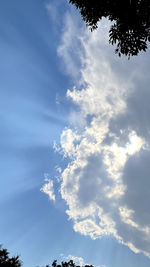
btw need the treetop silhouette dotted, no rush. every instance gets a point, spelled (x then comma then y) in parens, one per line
(68, 264)
(130, 29)
(6, 261)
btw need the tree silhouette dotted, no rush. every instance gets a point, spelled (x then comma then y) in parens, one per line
(6, 261)
(66, 264)
(130, 28)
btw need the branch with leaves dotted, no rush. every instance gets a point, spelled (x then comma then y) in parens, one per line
(130, 22)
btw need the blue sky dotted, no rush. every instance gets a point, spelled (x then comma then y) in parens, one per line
(75, 149)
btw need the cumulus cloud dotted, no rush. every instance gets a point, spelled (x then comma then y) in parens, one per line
(48, 188)
(77, 260)
(106, 184)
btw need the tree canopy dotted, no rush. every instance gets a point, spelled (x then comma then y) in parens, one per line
(67, 264)
(6, 261)
(130, 28)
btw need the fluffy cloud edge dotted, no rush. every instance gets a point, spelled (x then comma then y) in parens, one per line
(48, 188)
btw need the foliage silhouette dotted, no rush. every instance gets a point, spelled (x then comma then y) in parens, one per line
(66, 264)
(130, 28)
(6, 261)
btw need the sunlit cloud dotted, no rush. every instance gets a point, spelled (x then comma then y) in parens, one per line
(106, 145)
(77, 260)
(48, 188)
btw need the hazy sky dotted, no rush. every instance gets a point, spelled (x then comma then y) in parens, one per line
(75, 140)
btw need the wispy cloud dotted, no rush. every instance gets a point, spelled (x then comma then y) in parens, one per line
(52, 10)
(48, 188)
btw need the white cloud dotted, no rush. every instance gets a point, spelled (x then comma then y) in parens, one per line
(77, 260)
(52, 10)
(65, 50)
(106, 184)
(48, 188)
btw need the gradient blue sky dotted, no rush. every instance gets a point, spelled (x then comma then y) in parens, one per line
(45, 50)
